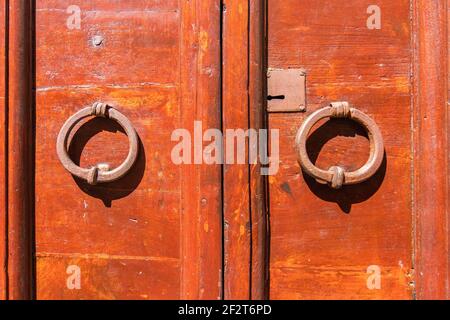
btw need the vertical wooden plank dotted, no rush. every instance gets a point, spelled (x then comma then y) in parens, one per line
(245, 225)
(431, 149)
(257, 121)
(448, 126)
(201, 222)
(237, 234)
(3, 154)
(237, 221)
(448, 45)
(20, 149)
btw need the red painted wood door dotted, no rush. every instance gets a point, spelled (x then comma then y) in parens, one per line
(156, 233)
(384, 238)
(200, 231)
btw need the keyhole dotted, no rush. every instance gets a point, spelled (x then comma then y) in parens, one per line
(280, 97)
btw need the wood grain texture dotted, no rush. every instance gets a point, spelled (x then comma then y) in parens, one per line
(143, 237)
(20, 151)
(257, 49)
(158, 232)
(201, 203)
(448, 43)
(109, 278)
(236, 190)
(3, 153)
(431, 149)
(448, 126)
(323, 241)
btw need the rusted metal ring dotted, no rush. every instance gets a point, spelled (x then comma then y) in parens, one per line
(97, 174)
(336, 177)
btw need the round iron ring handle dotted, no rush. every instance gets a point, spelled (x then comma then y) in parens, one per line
(336, 176)
(99, 173)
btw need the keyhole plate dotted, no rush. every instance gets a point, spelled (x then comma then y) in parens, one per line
(286, 90)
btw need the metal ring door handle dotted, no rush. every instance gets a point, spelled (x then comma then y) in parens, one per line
(98, 174)
(336, 177)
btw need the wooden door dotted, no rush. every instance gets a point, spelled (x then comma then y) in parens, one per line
(201, 231)
(384, 238)
(155, 233)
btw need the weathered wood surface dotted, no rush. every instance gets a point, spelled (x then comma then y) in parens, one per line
(236, 207)
(3, 154)
(257, 116)
(431, 150)
(201, 201)
(323, 241)
(20, 185)
(155, 234)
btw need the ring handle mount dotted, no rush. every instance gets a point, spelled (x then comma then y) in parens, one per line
(336, 177)
(101, 172)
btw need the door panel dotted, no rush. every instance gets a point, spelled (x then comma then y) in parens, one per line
(326, 244)
(150, 60)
